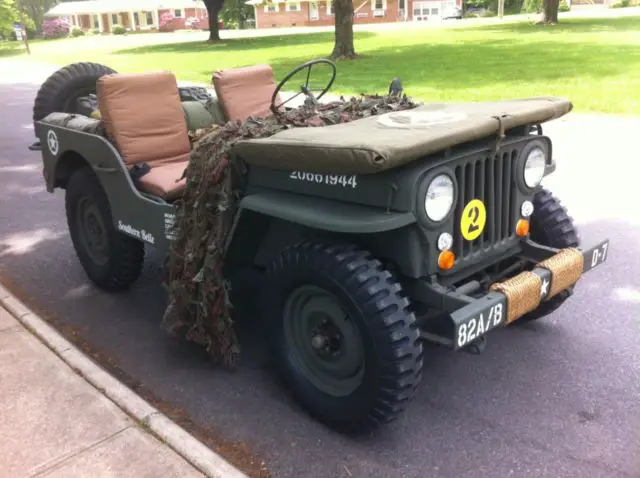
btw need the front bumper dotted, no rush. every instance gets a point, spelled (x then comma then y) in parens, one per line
(507, 301)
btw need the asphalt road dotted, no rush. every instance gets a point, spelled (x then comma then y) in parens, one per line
(560, 398)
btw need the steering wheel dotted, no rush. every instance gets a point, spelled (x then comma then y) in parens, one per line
(304, 89)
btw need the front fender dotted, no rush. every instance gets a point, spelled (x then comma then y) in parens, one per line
(325, 214)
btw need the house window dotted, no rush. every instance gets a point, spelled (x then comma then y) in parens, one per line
(293, 7)
(330, 9)
(96, 22)
(177, 13)
(136, 19)
(114, 18)
(422, 10)
(378, 4)
(149, 16)
(271, 7)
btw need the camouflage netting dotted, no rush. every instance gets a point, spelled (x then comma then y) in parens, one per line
(199, 303)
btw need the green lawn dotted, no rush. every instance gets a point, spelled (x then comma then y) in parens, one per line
(594, 62)
(9, 48)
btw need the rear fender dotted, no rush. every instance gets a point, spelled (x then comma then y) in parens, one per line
(134, 214)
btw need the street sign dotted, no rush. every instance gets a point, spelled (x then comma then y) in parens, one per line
(21, 34)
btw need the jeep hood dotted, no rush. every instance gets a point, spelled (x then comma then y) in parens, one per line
(390, 140)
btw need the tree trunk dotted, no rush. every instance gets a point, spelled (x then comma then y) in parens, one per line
(550, 11)
(343, 48)
(213, 8)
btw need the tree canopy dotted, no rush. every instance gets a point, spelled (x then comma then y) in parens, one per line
(8, 16)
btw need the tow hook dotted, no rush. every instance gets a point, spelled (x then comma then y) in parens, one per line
(477, 346)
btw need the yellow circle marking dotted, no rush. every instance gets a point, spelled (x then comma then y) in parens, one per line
(473, 220)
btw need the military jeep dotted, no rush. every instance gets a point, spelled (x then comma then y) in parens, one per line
(424, 225)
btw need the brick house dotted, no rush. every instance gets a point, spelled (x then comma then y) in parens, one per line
(282, 13)
(134, 15)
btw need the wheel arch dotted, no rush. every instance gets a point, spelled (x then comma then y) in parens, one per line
(69, 162)
(268, 223)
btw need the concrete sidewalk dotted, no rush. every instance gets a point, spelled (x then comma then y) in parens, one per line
(54, 423)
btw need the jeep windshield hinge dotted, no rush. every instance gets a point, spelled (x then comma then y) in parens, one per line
(501, 134)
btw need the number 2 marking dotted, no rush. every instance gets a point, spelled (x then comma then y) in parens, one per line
(475, 212)
(472, 329)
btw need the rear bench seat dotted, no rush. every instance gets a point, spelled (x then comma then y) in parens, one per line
(142, 113)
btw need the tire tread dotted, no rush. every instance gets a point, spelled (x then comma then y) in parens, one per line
(389, 319)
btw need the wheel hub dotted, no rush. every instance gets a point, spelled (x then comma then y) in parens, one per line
(319, 342)
(93, 233)
(324, 341)
(327, 338)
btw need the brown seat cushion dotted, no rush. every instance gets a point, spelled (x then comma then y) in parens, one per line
(143, 115)
(245, 91)
(162, 180)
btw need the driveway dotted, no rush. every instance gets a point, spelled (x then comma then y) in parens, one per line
(554, 399)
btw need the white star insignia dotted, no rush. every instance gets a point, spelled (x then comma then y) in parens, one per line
(544, 288)
(52, 142)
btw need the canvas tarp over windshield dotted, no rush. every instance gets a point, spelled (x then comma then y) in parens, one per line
(386, 141)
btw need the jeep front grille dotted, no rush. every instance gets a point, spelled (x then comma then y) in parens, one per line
(490, 179)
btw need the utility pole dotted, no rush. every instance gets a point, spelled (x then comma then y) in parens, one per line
(24, 25)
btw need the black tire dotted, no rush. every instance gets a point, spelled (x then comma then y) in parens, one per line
(384, 329)
(551, 226)
(115, 261)
(59, 92)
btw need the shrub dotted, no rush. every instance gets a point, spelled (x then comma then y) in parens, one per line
(95, 31)
(470, 15)
(76, 32)
(564, 6)
(192, 22)
(490, 13)
(622, 4)
(118, 30)
(532, 6)
(55, 29)
(165, 19)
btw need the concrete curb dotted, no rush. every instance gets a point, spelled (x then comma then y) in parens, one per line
(174, 436)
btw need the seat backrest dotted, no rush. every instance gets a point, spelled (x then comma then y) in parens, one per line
(245, 91)
(143, 115)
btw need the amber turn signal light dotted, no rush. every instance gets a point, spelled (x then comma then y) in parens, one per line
(522, 228)
(446, 260)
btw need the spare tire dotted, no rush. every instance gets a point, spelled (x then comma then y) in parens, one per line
(59, 92)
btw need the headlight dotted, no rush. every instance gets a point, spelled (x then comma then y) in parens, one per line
(534, 167)
(439, 198)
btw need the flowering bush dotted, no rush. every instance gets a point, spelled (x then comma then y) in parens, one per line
(192, 22)
(55, 29)
(165, 19)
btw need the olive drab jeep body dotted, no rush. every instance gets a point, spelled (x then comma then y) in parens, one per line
(428, 224)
